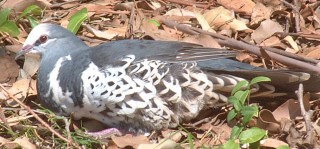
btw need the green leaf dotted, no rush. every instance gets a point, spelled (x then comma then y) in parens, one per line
(250, 110)
(283, 147)
(155, 22)
(10, 27)
(231, 115)
(33, 9)
(242, 96)
(190, 140)
(4, 13)
(33, 21)
(231, 144)
(77, 19)
(255, 145)
(259, 79)
(252, 135)
(240, 85)
(246, 119)
(235, 102)
(235, 132)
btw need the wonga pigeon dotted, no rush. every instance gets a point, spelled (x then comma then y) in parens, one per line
(133, 85)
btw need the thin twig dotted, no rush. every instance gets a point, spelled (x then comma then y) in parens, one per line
(4, 120)
(187, 3)
(306, 115)
(38, 118)
(241, 45)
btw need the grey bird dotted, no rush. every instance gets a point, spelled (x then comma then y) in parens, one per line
(135, 85)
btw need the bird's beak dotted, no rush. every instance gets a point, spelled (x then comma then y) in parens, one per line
(25, 49)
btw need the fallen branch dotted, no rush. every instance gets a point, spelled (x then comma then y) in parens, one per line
(226, 41)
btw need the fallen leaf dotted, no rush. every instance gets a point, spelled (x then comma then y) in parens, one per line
(129, 140)
(259, 13)
(221, 18)
(243, 6)
(266, 29)
(204, 40)
(20, 90)
(267, 121)
(164, 144)
(272, 143)
(293, 44)
(180, 12)
(25, 143)
(290, 109)
(8, 68)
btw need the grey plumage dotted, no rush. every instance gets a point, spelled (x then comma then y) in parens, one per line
(132, 84)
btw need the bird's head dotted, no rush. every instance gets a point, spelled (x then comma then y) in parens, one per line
(50, 38)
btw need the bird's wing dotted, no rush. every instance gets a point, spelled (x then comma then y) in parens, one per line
(110, 53)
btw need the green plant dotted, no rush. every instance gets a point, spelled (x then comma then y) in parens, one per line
(77, 19)
(29, 13)
(242, 113)
(10, 26)
(7, 25)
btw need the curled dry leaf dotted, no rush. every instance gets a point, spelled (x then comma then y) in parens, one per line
(221, 18)
(267, 121)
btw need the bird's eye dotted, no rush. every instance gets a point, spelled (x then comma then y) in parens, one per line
(43, 38)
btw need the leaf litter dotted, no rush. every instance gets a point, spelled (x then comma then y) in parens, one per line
(262, 23)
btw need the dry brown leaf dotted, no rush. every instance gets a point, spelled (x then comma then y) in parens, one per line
(129, 140)
(25, 143)
(244, 57)
(204, 40)
(164, 144)
(290, 109)
(314, 52)
(267, 121)
(31, 64)
(221, 18)
(8, 68)
(243, 6)
(20, 5)
(21, 89)
(272, 41)
(266, 29)
(101, 34)
(294, 45)
(272, 143)
(174, 135)
(260, 12)
(180, 12)
(203, 22)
